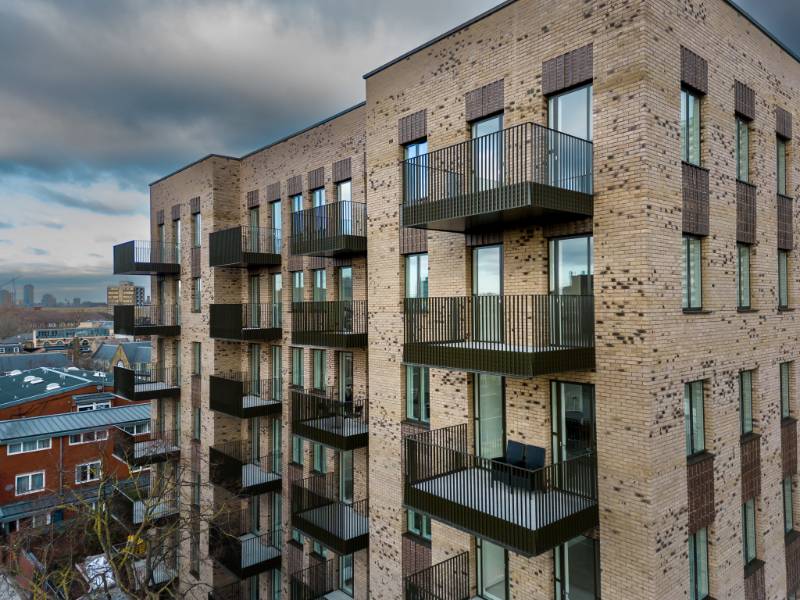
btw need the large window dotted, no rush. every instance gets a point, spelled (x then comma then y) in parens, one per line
(29, 483)
(746, 401)
(320, 455)
(197, 294)
(29, 446)
(577, 569)
(783, 278)
(418, 401)
(749, 531)
(417, 276)
(320, 290)
(781, 167)
(419, 524)
(197, 358)
(785, 371)
(297, 450)
(694, 415)
(698, 565)
(88, 472)
(692, 273)
(788, 505)
(344, 191)
(297, 286)
(318, 197)
(743, 275)
(297, 367)
(742, 150)
(197, 230)
(319, 369)
(415, 181)
(87, 437)
(571, 112)
(690, 127)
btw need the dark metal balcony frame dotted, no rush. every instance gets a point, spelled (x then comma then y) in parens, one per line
(447, 580)
(148, 383)
(521, 174)
(147, 448)
(242, 551)
(151, 319)
(315, 581)
(236, 395)
(334, 229)
(526, 511)
(330, 324)
(246, 322)
(320, 416)
(232, 466)
(244, 246)
(131, 503)
(514, 336)
(143, 257)
(318, 512)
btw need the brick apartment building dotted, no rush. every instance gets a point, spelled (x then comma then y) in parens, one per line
(124, 293)
(520, 325)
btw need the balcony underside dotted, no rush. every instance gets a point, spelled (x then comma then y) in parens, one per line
(146, 268)
(329, 339)
(330, 246)
(162, 330)
(498, 208)
(254, 334)
(342, 433)
(154, 511)
(246, 407)
(456, 499)
(244, 260)
(244, 479)
(154, 390)
(153, 451)
(337, 526)
(499, 358)
(248, 556)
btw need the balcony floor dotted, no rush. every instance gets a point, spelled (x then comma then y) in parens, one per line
(156, 510)
(153, 448)
(253, 401)
(256, 552)
(255, 475)
(340, 520)
(343, 426)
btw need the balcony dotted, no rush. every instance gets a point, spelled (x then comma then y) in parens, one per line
(336, 229)
(521, 174)
(236, 395)
(246, 322)
(143, 257)
(515, 336)
(319, 512)
(526, 511)
(142, 502)
(316, 581)
(244, 247)
(152, 319)
(147, 383)
(238, 590)
(147, 448)
(238, 468)
(319, 416)
(239, 546)
(335, 324)
(447, 580)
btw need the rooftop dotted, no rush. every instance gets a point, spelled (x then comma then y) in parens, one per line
(34, 384)
(25, 361)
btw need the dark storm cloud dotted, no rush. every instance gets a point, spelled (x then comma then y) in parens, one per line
(779, 17)
(100, 206)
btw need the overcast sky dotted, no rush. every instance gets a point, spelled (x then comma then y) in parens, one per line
(99, 98)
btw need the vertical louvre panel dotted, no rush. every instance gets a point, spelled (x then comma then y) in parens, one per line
(252, 199)
(274, 191)
(745, 212)
(412, 127)
(792, 562)
(316, 178)
(342, 170)
(789, 447)
(700, 488)
(785, 223)
(695, 200)
(568, 70)
(194, 205)
(751, 467)
(484, 101)
(176, 212)
(160, 217)
(783, 123)
(694, 71)
(294, 185)
(745, 101)
(754, 588)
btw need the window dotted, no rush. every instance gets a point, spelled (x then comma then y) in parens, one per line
(415, 181)
(743, 275)
(782, 160)
(417, 276)
(693, 411)
(196, 423)
(197, 358)
(297, 450)
(297, 367)
(320, 458)
(419, 524)
(297, 202)
(692, 273)
(319, 368)
(746, 401)
(318, 197)
(137, 428)
(742, 150)
(319, 549)
(84, 406)
(297, 286)
(29, 446)
(418, 401)
(40, 520)
(197, 230)
(749, 531)
(320, 290)
(197, 294)
(88, 437)
(29, 483)
(276, 585)
(344, 191)
(690, 127)
(698, 565)
(277, 225)
(87, 472)
(788, 505)
(297, 536)
(785, 370)
(783, 278)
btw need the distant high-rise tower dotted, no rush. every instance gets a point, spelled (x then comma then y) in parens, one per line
(27, 295)
(49, 300)
(6, 298)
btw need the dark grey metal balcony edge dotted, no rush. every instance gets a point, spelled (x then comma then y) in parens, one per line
(225, 396)
(232, 560)
(501, 362)
(125, 386)
(319, 435)
(163, 321)
(329, 539)
(329, 339)
(335, 245)
(128, 260)
(225, 471)
(227, 248)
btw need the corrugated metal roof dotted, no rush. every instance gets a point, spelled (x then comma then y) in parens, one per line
(42, 382)
(15, 430)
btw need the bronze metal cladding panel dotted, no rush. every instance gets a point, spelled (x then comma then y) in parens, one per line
(316, 178)
(160, 217)
(751, 466)
(194, 205)
(176, 212)
(785, 223)
(342, 170)
(783, 123)
(792, 562)
(754, 588)
(789, 446)
(294, 185)
(745, 213)
(412, 240)
(483, 239)
(700, 488)
(412, 127)
(274, 191)
(295, 262)
(252, 199)
(484, 101)
(195, 258)
(694, 70)
(745, 101)
(568, 70)
(695, 200)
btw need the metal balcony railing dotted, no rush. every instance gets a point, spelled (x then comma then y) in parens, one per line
(447, 580)
(235, 394)
(338, 228)
(243, 469)
(145, 501)
(242, 547)
(321, 416)
(147, 448)
(143, 257)
(148, 319)
(520, 335)
(337, 323)
(256, 322)
(245, 246)
(315, 581)
(147, 382)
(529, 510)
(525, 170)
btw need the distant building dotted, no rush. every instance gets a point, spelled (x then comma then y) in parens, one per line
(23, 361)
(51, 337)
(125, 293)
(6, 298)
(131, 355)
(27, 295)
(48, 300)
(76, 302)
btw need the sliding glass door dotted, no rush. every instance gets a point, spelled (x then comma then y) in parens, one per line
(490, 430)
(487, 289)
(492, 570)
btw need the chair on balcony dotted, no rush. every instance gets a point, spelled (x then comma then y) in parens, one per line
(514, 456)
(522, 456)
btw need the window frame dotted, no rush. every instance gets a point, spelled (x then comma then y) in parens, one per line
(89, 464)
(749, 543)
(82, 437)
(688, 146)
(788, 504)
(695, 437)
(783, 279)
(22, 446)
(743, 279)
(415, 264)
(745, 402)
(423, 530)
(30, 476)
(785, 383)
(742, 155)
(691, 242)
(298, 277)
(782, 164)
(417, 409)
(298, 455)
(698, 558)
